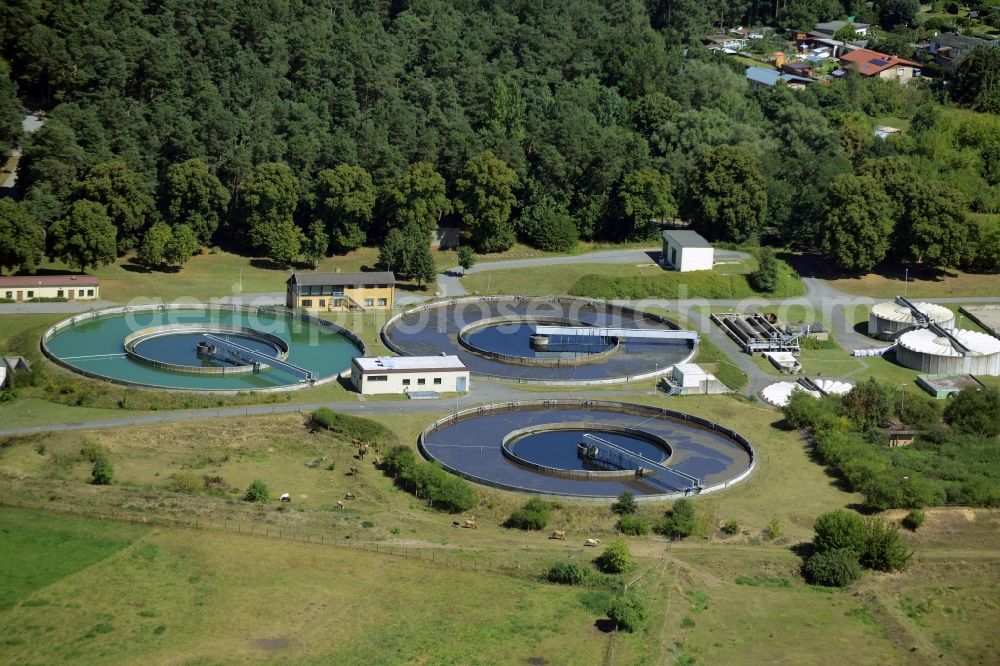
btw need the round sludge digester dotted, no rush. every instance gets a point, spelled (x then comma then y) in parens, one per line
(887, 320)
(927, 351)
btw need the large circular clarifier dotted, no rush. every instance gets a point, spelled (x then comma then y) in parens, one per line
(499, 337)
(535, 446)
(158, 347)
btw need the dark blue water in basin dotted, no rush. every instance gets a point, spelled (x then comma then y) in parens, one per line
(557, 448)
(181, 348)
(514, 339)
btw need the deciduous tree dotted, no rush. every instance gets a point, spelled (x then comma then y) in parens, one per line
(85, 238)
(269, 198)
(22, 241)
(344, 201)
(727, 195)
(857, 224)
(193, 195)
(418, 198)
(485, 199)
(647, 200)
(124, 196)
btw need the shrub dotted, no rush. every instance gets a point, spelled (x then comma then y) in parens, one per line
(834, 568)
(914, 520)
(765, 278)
(625, 504)
(884, 547)
(257, 491)
(628, 612)
(634, 525)
(357, 428)
(975, 412)
(92, 452)
(367, 524)
(188, 482)
(840, 530)
(102, 474)
(773, 528)
(679, 523)
(534, 515)
(565, 572)
(398, 459)
(615, 559)
(730, 527)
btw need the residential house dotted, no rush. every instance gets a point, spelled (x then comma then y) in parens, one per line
(761, 77)
(803, 69)
(831, 28)
(726, 42)
(874, 64)
(340, 292)
(949, 47)
(30, 287)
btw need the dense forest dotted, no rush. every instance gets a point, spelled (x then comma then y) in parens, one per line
(292, 129)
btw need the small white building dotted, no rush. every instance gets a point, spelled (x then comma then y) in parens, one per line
(686, 251)
(784, 361)
(403, 374)
(691, 378)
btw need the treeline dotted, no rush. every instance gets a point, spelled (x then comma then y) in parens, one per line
(294, 130)
(954, 460)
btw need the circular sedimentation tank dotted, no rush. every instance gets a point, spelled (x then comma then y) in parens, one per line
(199, 348)
(550, 447)
(889, 319)
(497, 338)
(926, 351)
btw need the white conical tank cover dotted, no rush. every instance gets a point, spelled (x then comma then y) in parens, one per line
(778, 393)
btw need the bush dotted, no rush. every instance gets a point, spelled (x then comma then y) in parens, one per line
(679, 523)
(730, 527)
(188, 482)
(398, 459)
(628, 612)
(534, 515)
(834, 568)
(634, 525)
(914, 520)
(565, 572)
(765, 278)
(615, 559)
(102, 474)
(625, 504)
(773, 528)
(840, 530)
(884, 547)
(357, 428)
(257, 491)
(975, 412)
(92, 452)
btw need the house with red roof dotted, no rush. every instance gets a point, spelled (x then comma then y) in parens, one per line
(29, 287)
(873, 63)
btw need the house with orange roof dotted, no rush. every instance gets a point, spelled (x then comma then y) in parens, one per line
(873, 63)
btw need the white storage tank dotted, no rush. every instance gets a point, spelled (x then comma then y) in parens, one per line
(886, 320)
(934, 354)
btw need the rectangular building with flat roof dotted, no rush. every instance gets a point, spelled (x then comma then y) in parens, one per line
(402, 374)
(686, 251)
(341, 292)
(29, 287)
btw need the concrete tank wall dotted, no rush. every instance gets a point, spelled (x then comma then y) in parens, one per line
(934, 364)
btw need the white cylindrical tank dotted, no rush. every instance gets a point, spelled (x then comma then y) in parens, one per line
(886, 320)
(930, 353)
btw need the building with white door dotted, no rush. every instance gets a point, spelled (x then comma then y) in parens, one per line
(686, 251)
(405, 374)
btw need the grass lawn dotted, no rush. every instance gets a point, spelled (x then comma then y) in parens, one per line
(205, 597)
(207, 276)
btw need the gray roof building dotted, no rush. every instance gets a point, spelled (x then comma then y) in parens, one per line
(342, 279)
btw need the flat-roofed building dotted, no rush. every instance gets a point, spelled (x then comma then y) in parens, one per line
(29, 287)
(405, 374)
(340, 292)
(686, 251)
